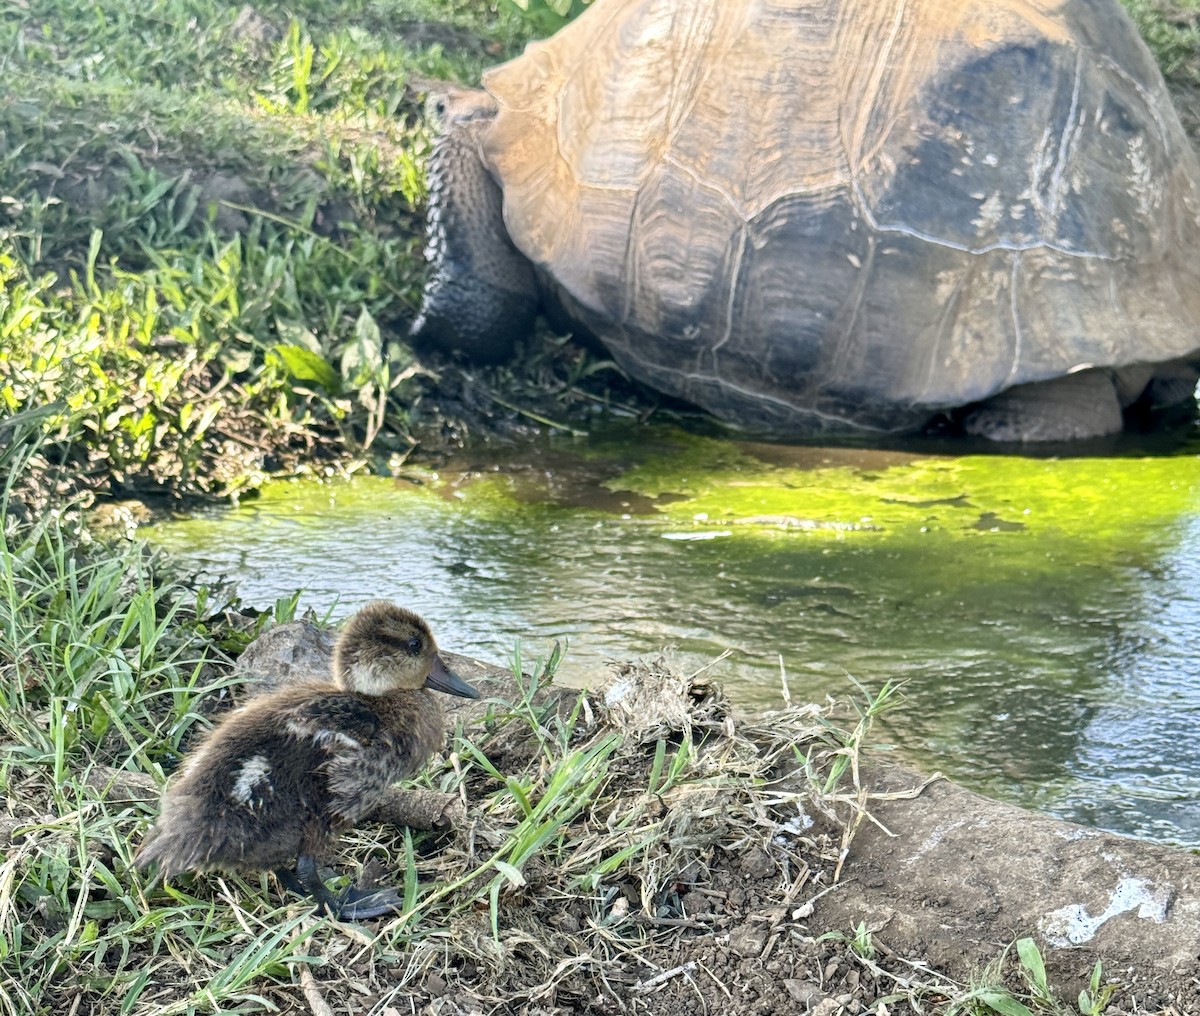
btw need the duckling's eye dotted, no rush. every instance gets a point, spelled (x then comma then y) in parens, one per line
(414, 645)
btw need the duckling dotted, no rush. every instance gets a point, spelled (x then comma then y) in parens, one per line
(281, 778)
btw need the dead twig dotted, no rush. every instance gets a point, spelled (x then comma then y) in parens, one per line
(312, 994)
(666, 975)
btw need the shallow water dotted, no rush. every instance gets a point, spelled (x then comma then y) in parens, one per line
(1042, 613)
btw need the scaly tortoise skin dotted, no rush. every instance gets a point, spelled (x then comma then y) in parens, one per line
(841, 216)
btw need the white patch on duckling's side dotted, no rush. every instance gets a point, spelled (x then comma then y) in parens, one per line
(322, 737)
(1073, 925)
(254, 771)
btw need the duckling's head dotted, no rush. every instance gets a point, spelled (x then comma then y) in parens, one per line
(385, 648)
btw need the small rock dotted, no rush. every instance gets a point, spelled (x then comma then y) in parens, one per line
(123, 516)
(748, 940)
(435, 984)
(287, 653)
(826, 1007)
(8, 828)
(119, 787)
(250, 26)
(757, 863)
(222, 191)
(804, 992)
(566, 923)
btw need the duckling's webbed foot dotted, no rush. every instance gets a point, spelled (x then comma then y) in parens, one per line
(351, 904)
(359, 904)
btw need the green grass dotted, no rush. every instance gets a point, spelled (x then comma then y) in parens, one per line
(118, 115)
(174, 379)
(211, 229)
(104, 659)
(991, 996)
(1171, 29)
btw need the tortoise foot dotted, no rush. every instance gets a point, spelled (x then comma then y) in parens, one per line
(1072, 408)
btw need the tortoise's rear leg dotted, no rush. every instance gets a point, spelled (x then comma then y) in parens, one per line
(1071, 408)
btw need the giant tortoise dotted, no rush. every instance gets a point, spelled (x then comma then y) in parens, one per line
(822, 216)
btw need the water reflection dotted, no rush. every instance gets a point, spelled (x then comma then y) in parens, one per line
(1057, 670)
(1137, 766)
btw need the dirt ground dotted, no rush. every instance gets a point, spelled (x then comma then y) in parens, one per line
(747, 905)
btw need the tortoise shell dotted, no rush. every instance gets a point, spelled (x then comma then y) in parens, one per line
(828, 215)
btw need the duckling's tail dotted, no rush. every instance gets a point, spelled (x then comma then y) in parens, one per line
(170, 853)
(150, 852)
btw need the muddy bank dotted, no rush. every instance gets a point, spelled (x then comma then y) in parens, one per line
(751, 904)
(961, 876)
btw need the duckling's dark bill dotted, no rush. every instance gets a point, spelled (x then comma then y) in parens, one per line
(441, 678)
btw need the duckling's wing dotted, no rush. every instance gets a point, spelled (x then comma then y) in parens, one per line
(358, 780)
(361, 757)
(334, 722)
(365, 751)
